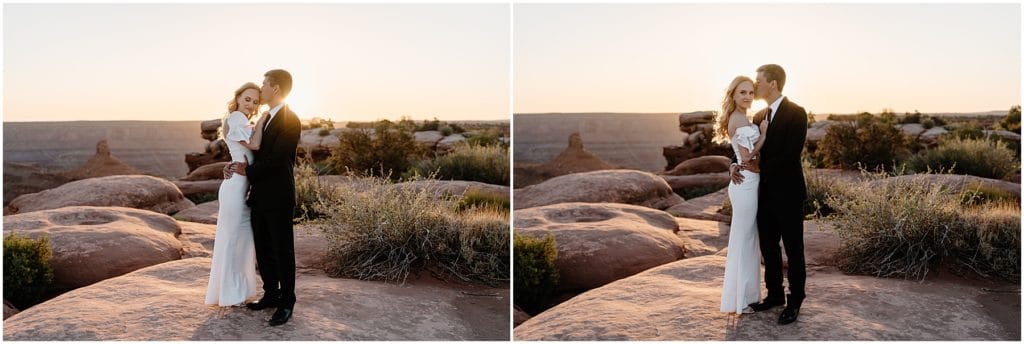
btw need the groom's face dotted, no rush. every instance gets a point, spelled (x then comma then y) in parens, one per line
(267, 91)
(762, 87)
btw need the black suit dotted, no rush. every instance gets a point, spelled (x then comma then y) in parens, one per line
(272, 198)
(780, 201)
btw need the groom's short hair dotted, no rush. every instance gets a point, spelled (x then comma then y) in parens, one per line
(281, 78)
(773, 72)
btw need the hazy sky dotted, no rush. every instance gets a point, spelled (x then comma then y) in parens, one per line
(839, 58)
(182, 62)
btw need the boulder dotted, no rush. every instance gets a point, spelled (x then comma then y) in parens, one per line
(140, 192)
(912, 130)
(448, 142)
(680, 301)
(815, 134)
(613, 186)
(699, 165)
(165, 302)
(428, 138)
(599, 243)
(91, 244)
(699, 117)
(203, 213)
(707, 180)
(1008, 135)
(703, 237)
(197, 239)
(704, 207)
(208, 128)
(207, 172)
(931, 136)
(196, 187)
(10, 310)
(518, 318)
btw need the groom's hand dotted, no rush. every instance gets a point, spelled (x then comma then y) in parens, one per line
(734, 170)
(240, 167)
(228, 170)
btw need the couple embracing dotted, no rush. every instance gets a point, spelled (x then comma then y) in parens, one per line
(767, 194)
(257, 201)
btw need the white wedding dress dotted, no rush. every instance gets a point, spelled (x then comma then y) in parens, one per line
(742, 284)
(233, 272)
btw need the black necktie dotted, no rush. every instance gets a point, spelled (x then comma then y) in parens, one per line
(768, 115)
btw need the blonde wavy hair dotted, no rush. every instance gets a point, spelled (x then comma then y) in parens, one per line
(728, 106)
(233, 106)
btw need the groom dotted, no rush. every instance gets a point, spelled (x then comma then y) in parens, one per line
(782, 193)
(272, 198)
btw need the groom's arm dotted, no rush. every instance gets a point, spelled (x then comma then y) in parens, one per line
(279, 155)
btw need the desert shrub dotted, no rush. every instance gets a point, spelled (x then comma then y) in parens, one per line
(819, 189)
(869, 142)
(485, 164)
(969, 130)
(1012, 120)
(905, 228)
(388, 150)
(927, 123)
(476, 199)
(982, 158)
(484, 138)
(324, 132)
(429, 125)
(446, 130)
(381, 232)
(535, 273)
(27, 271)
(978, 194)
(911, 118)
(203, 197)
(456, 128)
(309, 192)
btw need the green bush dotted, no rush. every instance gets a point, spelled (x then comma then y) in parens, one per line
(978, 194)
(485, 164)
(969, 130)
(429, 125)
(27, 271)
(484, 138)
(905, 228)
(477, 199)
(870, 142)
(388, 150)
(535, 273)
(911, 118)
(308, 191)
(819, 189)
(982, 158)
(324, 132)
(381, 232)
(1012, 120)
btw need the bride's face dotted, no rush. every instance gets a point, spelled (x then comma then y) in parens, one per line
(248, 101)
(744, 95)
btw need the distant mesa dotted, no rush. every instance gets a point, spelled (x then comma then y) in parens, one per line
(101, 165)
(574, 159)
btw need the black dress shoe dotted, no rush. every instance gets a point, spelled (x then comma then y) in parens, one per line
(281, 316)
(766, 304)
(263, 303)
(789, 315)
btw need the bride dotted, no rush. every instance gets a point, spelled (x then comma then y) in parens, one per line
(233, 272)
(742, 284)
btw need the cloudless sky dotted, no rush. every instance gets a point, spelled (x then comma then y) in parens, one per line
(183, 61)
(840, 58)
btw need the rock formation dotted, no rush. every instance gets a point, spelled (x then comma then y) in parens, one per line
(216, 149)
(574, 159)
(140, 192)
(614, 186)
(698, 132)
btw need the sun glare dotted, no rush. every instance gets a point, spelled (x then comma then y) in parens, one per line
(301, 102)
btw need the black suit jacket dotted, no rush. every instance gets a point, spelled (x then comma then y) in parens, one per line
(271, 176)
(782, 175)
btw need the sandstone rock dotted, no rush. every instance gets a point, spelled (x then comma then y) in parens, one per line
(202, 186)
(823, 124)
(680, 301)
(140, 192)
(91, 244)
(10, 310)
(678, 153)
(209, 128)
(196, 239)
(197, 160)
(165, 302)
(912, 130)
(704, 207)
(428, 138)
(931, 136)
(1009, 135)
(207, 172)
(519, 317)
(310, 247)
(815, 134)
(704, 164)
(703, 237)
(202, 213)
(706, 180)
(448, 142)
(599, 243)
(614, 186)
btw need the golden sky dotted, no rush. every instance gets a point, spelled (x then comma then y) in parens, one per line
(183, 61)
(839, 58)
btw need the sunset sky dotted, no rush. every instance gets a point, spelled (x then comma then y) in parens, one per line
(183, 61)
(840, 58)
